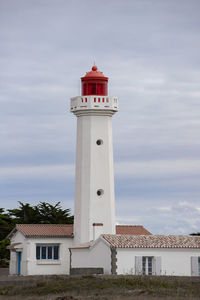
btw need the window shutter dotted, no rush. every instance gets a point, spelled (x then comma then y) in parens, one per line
(138, 265)
(157, 265)
(194, 266)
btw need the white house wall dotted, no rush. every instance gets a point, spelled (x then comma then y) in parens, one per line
(98, 256)
(18, 238)
(48, 267)
(173, 261)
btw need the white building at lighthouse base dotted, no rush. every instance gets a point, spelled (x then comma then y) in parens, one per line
(133, 250)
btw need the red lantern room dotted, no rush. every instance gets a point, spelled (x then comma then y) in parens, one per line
(94, 83)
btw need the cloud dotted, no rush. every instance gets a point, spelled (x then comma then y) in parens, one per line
(185, 214)
(49, 171)
(182, 217)
(158, 168)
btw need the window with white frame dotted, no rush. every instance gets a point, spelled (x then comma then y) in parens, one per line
(195, 265)
(47, 251)
(147, 265)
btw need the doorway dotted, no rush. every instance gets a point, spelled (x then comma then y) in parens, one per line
(19, 259)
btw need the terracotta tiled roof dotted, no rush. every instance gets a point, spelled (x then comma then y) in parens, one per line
(50, 230)
(152, 241)
(132, 229)
(46, 230)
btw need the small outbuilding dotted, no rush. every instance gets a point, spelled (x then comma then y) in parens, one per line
(139, 255)
(40, 249)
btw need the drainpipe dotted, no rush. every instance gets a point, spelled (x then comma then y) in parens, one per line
(70, 260)
(113, 260)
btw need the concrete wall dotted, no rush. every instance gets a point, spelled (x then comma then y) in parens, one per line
(173, 261)
(86, 271)
(98, 256)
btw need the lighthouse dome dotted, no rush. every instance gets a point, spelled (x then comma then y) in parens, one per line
(94, 73)
(94, 83)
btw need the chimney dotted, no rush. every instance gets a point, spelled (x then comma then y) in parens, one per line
(97, 230)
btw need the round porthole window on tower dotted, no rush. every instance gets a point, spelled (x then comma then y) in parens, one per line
(100, 192)
(99, 142)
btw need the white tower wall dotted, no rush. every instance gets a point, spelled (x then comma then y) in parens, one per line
(94, 166)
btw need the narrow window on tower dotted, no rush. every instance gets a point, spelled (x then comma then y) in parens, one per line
(99, 142)
(100, 192)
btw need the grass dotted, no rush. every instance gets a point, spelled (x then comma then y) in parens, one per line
(105, 287)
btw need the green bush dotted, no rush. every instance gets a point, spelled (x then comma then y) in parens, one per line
(4, 252)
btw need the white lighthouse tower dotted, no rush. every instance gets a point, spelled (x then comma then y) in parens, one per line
(94, 182)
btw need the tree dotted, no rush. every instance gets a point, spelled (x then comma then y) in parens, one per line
(43, 213)
(195, 233)
(54, 214)
(4, 252)
(6, 224)
(25, 214)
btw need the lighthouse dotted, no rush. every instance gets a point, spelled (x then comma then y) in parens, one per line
(94, 211)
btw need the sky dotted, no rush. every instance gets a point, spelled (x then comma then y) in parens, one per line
(149, 49)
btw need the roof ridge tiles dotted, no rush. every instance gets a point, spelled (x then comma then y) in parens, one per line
(41, 224)
(45, 230)
(130, 225)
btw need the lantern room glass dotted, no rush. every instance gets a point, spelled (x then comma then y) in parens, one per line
(95, 88)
